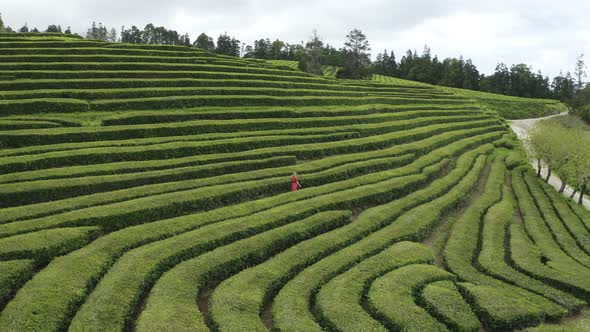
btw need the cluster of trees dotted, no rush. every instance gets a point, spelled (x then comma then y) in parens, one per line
(4, 28)
(152, 35)
(101, 32)
(161, 36)
(519, 80)
(564, 151)
(25, 28)
(426, 68)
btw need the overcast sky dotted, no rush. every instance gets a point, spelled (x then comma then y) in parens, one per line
(545, 34)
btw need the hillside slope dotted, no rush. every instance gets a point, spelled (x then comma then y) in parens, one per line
(147, 188)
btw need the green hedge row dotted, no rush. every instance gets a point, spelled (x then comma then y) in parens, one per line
(48, 105)
(83, 185)
(574, 224)
(151, 117)
(563, 272)
(150, 261)
(55, 293)
(426, 140)
(180, 281)
(152, 183)
(96, 94)
(538, 229)
(443, 300)
(370, 124)
(129, 83)
(69, 57)
(14, 194)
(262, 100)
(557, 226)
(208, 150)
(499, 308)
(98, 51)
(491, 259)
(217, 263)
(134, 142)
(24, 124)
(581, 212)
(150, 74)
(291, 306)
(391, 298)
(511, 109)
(174, 203)
(461, 249)
(23, 193)
(339, 301)
(251, 170)
(147, 66)
(13, 274)
(44, 245)
(86, 185)
(528, 258)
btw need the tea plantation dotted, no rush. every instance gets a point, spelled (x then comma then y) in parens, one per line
(147, 188)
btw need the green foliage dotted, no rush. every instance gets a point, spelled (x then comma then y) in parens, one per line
(391, 298)
(443, 300)
(138, 179)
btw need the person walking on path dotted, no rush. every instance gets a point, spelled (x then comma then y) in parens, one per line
(295, 182)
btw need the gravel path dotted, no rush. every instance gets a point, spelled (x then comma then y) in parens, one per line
(522, 128)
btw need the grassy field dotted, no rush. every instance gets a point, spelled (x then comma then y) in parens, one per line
(148, 188)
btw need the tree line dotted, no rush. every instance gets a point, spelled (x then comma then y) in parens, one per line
(563, 151)
(354, 61)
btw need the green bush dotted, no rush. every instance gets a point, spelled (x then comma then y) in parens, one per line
(419, 144)
(184, 246)
(443, 301)
(491, 258)
(563, 272)
(391, 298)
(67, 56)
(499, 309)
(155, 116)
(24, 193)
(44, 245)
(377, 124)
(160, 66)
(12, 275)
(339, 301)
(97, 94)
(47, 105)
(413, 217)
(100, 51)
(218, 150)
(461, 249)
(218, 263)
(72, 289)
(558, 226)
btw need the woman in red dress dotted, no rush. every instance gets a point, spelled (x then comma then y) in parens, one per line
(295, 182)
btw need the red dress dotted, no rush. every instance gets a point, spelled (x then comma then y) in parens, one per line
(294, 183)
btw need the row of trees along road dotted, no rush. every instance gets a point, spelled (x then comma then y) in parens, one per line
(564, 151)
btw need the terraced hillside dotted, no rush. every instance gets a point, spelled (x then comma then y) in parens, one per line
(508, 107)
(147, 188)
